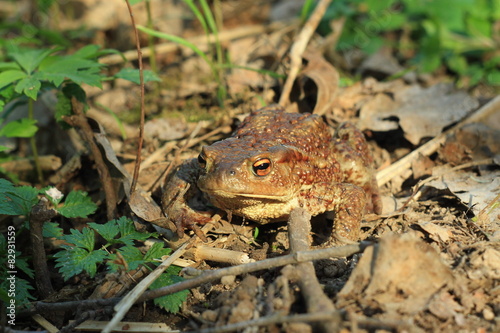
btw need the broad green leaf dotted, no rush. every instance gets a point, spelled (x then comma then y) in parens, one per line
(155, 252)
(493, 77)
(77, 204)
(171, 303)
(132, 75)
(87, 52)
(8, 65)
(16, 200)
(22, 128)
(57, 69)
(30, 86)
(458, 64)
(128, 234)
(29, 59)
(108, 230)
(132, 255)
(52, 230)
(84, 239)
(10, 76)
(73, 261)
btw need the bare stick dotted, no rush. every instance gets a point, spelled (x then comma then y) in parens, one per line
(298, 48)
(40, 213)
(80, 121)
(400, 166)
(299, 229)
(141, 78)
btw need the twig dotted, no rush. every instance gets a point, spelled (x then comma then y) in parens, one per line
(126, 303)
(299, 229)
(298, 48)
(80, 121)
(208, 276)
(141, 125)
(400, 166)
(39, 214)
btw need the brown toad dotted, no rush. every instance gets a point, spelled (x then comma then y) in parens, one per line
(276, 161)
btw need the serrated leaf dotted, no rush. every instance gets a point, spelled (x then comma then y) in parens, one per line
(10, 76)
(52, 230)
(16, 200)
(108, 230)
(77, 204)
(29, 59)
(22, 128)
(23, 288)
(132, 255)
(22, 264)
(156, 251)
(30, 86)
(73, 261)
(84, 239)
(128, 234)
(132, 75)
(79, 70)
(171, 303)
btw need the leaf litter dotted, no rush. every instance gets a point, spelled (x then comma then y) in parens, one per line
(435, 263)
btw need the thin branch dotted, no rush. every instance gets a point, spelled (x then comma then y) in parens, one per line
(298, 48)
(141, 78)
(80, 121)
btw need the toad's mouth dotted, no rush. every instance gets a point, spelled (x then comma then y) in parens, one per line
(235, 195)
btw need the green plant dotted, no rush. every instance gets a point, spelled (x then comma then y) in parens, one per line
(31, 71)
(429, 34)
(80, 255)
(18, 201)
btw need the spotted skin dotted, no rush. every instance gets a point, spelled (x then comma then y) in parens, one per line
(276, 161)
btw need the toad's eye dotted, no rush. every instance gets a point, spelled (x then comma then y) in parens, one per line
(202, 161)
(262, 167)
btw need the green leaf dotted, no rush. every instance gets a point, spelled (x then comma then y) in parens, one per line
(156, 251)
(10, 76)
(30, 86)
(63, 105)
(57, 69)
(131, 74)
(132, 255)
(84, 239)
(128, 234)
(22, 128)
(493, 77)
(108, 230)
(23, 287)
(29, 59)
(16, 200)
(171, 303)
(52, 230)
(77, 204)
(133, 2)
(458, 64)
(23, 265)
(73, 261)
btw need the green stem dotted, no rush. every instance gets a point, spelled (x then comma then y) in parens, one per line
(33, 144)
(152, 56)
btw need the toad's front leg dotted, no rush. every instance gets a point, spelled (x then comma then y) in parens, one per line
(348, 202)
(179, 192)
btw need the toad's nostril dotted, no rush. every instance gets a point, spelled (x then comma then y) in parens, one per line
(232, 172)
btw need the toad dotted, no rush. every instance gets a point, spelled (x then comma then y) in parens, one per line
(276, 161)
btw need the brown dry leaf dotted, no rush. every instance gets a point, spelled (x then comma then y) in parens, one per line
(325, 78)
(421, 112)
(422, 167)
(398, 275)
(474, 191)
(436, 232)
